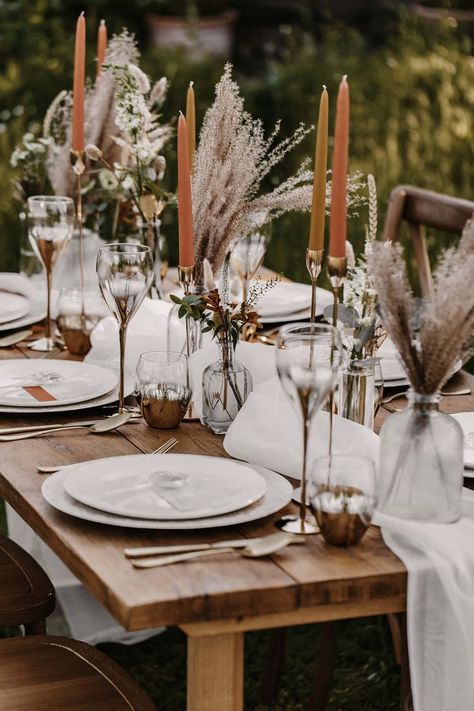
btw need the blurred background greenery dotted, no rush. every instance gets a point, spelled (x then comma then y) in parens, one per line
(412, 88)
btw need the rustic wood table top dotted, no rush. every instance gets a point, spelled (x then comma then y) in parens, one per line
(214, 601)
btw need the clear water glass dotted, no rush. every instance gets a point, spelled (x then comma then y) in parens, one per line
(343, 497)
(163, 388)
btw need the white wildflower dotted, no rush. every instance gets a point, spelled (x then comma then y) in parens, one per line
(108, 180)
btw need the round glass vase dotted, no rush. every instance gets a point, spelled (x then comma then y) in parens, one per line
(421, 463)
(226, 385)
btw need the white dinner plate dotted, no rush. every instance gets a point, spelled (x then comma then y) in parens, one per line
(277, 495)
(175, 486)
(289, 298)
(36, 313)
(67, 381)
(107, 399)
(466, 420)
(12, 306)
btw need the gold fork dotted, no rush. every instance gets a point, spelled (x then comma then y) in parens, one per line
(165, 447)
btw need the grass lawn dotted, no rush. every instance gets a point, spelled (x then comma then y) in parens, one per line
(366, 676)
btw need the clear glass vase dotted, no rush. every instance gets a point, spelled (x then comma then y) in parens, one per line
(421, 463)
(226, 385)
(356, 393)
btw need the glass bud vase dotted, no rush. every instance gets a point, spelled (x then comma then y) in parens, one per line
(421, 463)
(356, 393)
(226, 385)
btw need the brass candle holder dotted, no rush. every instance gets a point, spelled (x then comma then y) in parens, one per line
(186, 276)
(337, 271)
(77, 339)
(314, 264)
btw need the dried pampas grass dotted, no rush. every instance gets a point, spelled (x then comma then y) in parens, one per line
(231, 161)
(431, 334)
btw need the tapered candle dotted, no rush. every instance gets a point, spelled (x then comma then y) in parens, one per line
(185, 211)
(318, 208)
(101, 46)
(338, 221)
(191, 124)
(78, 85)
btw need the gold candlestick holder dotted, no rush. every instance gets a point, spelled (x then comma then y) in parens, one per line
(314, 264)
(186, 276)
(77, 338)
(337, 271)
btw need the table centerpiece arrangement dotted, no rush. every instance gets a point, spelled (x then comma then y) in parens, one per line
(421, 461)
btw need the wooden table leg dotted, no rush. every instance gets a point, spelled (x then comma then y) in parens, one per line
(215, 679)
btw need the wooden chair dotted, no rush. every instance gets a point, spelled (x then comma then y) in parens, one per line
(26, 593)
(56, 673)
(419, 209)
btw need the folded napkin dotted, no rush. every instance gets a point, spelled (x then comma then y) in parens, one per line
(147, 331)
(440, 607)
(268, 431)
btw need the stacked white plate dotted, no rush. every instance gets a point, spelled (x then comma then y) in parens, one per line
(17, 311)
(72, 385)
(394, 374)
(290, 301)
(167, 491)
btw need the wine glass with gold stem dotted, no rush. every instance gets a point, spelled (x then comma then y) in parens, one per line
(50, 228)
(125, 273)
(308, 358)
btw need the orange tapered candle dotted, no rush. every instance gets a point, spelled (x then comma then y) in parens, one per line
(318, 208)
(101, 46)
(191, 124)
(78, 86)
(185, 211)
(338, 221)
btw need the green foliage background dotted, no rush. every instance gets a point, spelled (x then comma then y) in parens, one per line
(412, 98)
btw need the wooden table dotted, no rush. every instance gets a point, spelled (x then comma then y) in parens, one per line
(213, 601)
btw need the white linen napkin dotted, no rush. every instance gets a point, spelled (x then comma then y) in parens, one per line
(268, 431)
(440, 606)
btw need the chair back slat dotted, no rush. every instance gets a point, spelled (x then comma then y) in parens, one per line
(419, 209)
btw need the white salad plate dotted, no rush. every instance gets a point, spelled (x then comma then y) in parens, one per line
(67, 381)
(36, 313)
(160, 486)
(277, 495)
(12, 306)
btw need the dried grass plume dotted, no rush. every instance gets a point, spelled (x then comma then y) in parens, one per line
(432, 334)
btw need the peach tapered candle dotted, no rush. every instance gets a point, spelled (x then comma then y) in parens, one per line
(338, 221)
(318, 208)
(185, 211)
(191, 124)
(78, 85)
(101, 46)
